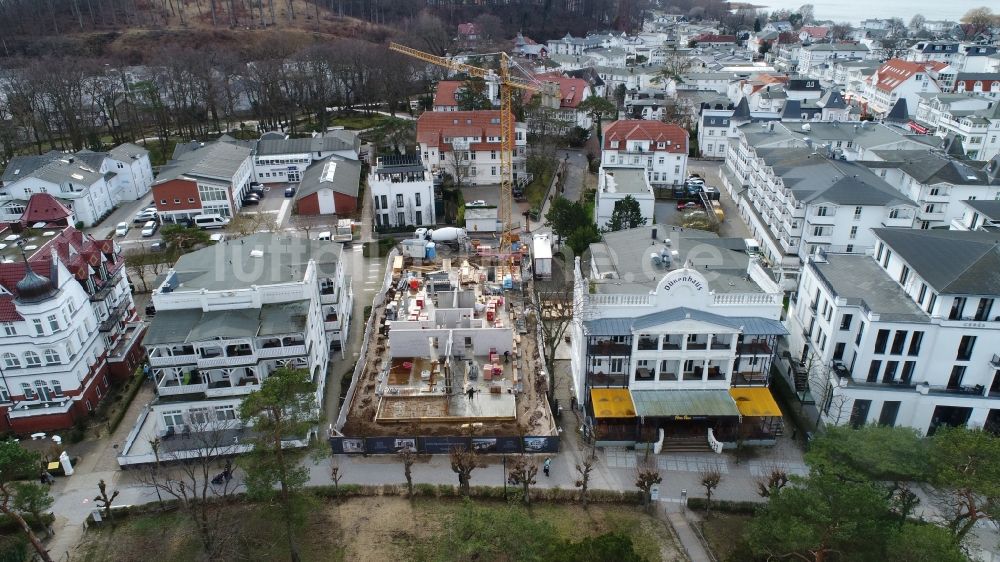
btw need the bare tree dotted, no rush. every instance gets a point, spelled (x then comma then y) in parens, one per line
(457, 165)
(522, 473)
(193, 481)
(463, 462)
(408, 456)
(335, 475)
(771, 481)
(247, 223)
(104, 499)
(710, 480)
(553, 305)
(647, 475)
(584, 468)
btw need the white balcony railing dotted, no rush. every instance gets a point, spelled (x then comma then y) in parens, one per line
(172, 360)
(284, 351)
(181, 389)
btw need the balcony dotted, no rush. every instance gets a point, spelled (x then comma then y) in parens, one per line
(27, 409)
(647, 344)
(281, 351)
(227, 360)
(107, 288)
(670, 345)
(172, 360)
(609, 348)
(753, 348)
(644, 374)
(697, 345)
(189, 383)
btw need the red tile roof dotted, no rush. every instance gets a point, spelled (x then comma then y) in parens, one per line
(571, 90)
(446, 92)
(10, 274)
(435, 126)
(709, 38)
(43, 207)
(895, 72)
(815, 31)
(636, 129)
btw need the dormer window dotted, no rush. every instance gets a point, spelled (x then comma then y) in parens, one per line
(614, 144)
(661, 145)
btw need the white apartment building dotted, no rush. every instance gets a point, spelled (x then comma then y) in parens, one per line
(907, 336)
(402, 192)
(975, 58)
(814, 59)
(466, 145)
(128, 168)
(972, 118)
(898, 79)
(799, 198)
(933, 51)
(70, 328)
(86, 191)
(660, 148)
(615, 184)
(713, 132)
(284, 160)
(938, 182)
(671, 329)
(226, 317)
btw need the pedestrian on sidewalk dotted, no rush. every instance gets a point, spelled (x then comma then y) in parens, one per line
(546, 465)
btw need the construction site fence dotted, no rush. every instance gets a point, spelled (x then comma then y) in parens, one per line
(444, 445)
(370, 329)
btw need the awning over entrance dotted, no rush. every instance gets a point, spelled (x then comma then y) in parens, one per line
(683, 403)
(612, 403)
(755, 402)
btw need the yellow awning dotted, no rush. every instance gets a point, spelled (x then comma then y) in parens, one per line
(755, 402)
(612, 403)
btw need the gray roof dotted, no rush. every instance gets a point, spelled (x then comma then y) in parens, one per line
(743, 324)
(989, 208)
(742, 111)
(218, 160)
(866, 135)
(125, 152)
(345, 178)
(194, 325)
(229, 264)
(951, 261)
(63, 171)
(22, 166)
(930, 167)
(858, 279)
(628, 180)
(625, 256)
(836, 47)
(673, 402)
(93, 160)
(331, 141)
(815, 178)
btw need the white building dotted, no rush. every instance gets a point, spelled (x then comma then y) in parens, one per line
(937, 51)
(85, 190)
(898, 79)
(466, 145)
(614, 185)
(979, 214)
(972, 118)
(70, 328)
(814, 59)
(128, 168)
(285, 160)
(905, 337)
(672, 331)
(209, 179)
(402, 192)
(220, 330)
(938, 182)
(660, 148)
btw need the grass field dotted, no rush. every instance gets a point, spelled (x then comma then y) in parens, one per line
(723, 531)
(366, 529)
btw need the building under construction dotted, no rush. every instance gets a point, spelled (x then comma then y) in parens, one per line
(449, 361)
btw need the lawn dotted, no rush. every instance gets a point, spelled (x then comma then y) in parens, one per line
(364, 529)
(724, 531)
(358, 121)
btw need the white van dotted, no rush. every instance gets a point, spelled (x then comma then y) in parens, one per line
(325, 235)
(210, 221)
(149, 229)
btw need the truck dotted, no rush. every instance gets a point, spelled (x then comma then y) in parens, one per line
(344, 232)
(541, 255)
(447, 234)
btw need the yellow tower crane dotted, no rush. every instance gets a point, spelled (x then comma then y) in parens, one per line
(508, 83)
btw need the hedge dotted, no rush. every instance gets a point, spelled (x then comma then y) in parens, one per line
(746, 508)
(131, 389)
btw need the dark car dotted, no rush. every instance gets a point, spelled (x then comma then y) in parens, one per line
(150, 310)
(251, 199)
(257, 190)
(289, 192)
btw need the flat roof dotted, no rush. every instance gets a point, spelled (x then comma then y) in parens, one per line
(858, 279)
(670, 403)
(193, 325)
(626, 180)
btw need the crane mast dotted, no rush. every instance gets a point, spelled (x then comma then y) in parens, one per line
(508, 84)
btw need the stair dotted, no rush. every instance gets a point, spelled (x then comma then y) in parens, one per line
(686, 445)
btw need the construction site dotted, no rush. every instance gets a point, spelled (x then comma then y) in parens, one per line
(451, 352)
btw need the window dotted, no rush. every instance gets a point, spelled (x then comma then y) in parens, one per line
(399, 200)
(957, 306)
(225, 413)
(931, 303)
(376, 202)
(888, 256)
(915, 342)
(173, 418)
(922, 293)
(822, 211)
(419, 217)
(904, 275)
(838, 351)
(31, 359)
(854, 232)
(881, 340)
(955, 380)
(385, 202)
(984, 308)
(614, 144)
(861, 331)
(51, 357)
(90, 407)
(859, 413)
(873, 370)
(890, 409)
(416, 199)
(38, 326)
(29, 393)
(897, 342)
(199, 416)
(907, 374)
(53, 323)
(878, 254)
(11, 361)
(4, 394)
(965, 348)
(845, 321)
(400, 219)
(56, 387)
(9, 328)
(857, 213)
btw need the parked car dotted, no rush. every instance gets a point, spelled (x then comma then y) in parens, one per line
(149, 229)
(251, 200)
(258, 190)
(476, 203)
(150, 310)
(210, 221)
(121, 229)
(686, 205)
(144, 216)
(289, 192)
